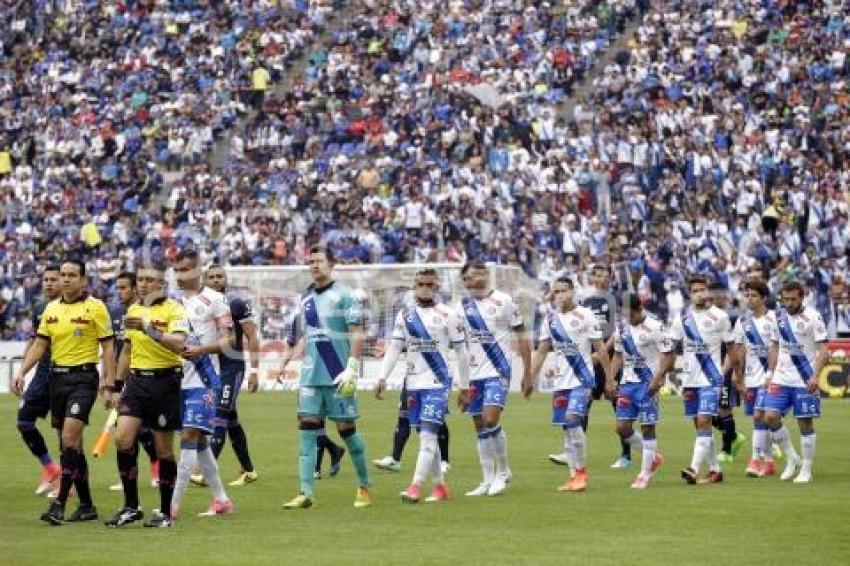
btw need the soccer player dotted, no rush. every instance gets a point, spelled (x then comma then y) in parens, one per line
(645, 353)
(489, 316)
(35, 400)
(601, 302)
(75, 327)
(330, 324)
(232, 363)
(401, 434)
(294, 348)
(125, 287)
(801, 341)
(573, 332)
(732, 440)
(427, 330)
(702, 329)
(155, 331)
(210, 334)
(754, 333)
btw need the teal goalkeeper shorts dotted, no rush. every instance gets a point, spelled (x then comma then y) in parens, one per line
(323, 402)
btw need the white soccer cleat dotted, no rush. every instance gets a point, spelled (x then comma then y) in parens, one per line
(498, 486)
(559, 459)
(791, 468)
(388, 464)
(479, 491)
(805, 476)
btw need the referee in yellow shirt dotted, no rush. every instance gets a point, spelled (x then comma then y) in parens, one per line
(156, 328)
(78, 331)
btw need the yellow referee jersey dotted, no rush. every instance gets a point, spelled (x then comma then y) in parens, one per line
(75, 330)
(166, 315)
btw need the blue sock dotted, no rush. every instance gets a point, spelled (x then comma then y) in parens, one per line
(307, 459)
(357, 449)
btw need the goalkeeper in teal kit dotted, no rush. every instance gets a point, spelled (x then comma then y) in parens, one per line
(330, 325)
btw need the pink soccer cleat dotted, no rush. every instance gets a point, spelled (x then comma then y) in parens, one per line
(218, 508)
(439, 493)
(641, 482)
(49, 474)
(754, 469)
(412, 494)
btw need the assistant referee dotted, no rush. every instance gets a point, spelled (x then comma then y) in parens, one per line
(78, 331)
(156, 328)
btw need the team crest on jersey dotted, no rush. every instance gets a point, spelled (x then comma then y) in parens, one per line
(161, 420)
(199, 310)
(574, 323)
(491, 311)
(799, 326)
(75, 409)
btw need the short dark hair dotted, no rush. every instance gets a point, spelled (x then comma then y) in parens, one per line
(158, 266)
(322, 249)
(215, 266)
(759, 287)
(794, 286)
(129, 276)
(474, 264)
(187, 253)
(600, 267)
(78, 262)
(427, 272)
(566, 280)
(697, 280)
(51, 267)
(714, 284)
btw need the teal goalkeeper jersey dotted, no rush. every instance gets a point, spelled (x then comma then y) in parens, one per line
(326, 314)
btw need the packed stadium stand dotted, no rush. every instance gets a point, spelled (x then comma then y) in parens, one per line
(662, 137)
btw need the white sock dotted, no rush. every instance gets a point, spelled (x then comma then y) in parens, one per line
(579, 446)
(209, 467)
(500, 450)
(487, 459)
(807, 447)
(713, 460)
(437, 464)
(650, 446)
(428, 450)
(185, 468)
(758, 444)
(568, 450)
(780, 437)
(702, 446)
(635, 441)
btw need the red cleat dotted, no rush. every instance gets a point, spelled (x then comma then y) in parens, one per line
(439, 493)
(49, 474)
(768, 469)
(754, 469)
(412, 494)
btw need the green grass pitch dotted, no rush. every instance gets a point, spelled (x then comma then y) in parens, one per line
(742, 521)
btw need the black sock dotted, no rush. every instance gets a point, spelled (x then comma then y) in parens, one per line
(34, 441)
(727, 425)
(585, 420)
(625, 449)
(239, 442)
(402, 433)
(321, 445)
(167, 475)
(68, 461)
(128, 468)
(217, 440)
(81, 480)
(443, 441)
(145, 438)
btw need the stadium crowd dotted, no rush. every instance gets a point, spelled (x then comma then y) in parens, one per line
(716, 141)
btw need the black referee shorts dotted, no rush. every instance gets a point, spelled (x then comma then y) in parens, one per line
(73, 392)
(154, 397)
